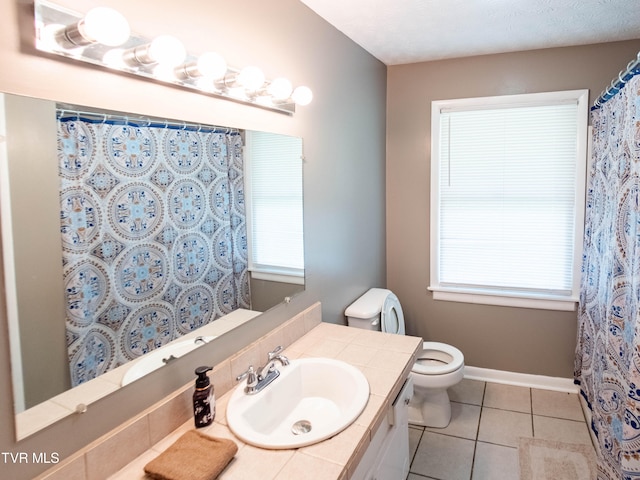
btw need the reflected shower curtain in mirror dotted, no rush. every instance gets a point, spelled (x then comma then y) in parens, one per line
(608, 350)
(153, 235)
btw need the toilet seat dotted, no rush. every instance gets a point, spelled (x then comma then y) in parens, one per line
(392, 316)
(445, 359)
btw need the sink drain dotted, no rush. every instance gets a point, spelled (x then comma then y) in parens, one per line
(300, 427)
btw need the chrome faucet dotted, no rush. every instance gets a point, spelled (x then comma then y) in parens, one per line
(256, 381)
(200, 338)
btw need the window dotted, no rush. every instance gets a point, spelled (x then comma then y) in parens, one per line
(507, 199)
(273, 185)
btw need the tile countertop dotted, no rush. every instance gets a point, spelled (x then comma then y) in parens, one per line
(386, 361)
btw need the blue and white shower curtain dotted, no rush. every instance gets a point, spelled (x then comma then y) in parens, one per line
(608, 351)
(153, 235)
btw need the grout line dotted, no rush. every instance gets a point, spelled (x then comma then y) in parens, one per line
(452, 436)
(484, 390)
(497, 444)
(508, 410)
(475, 443)
(417, 448)
(417, 475)
(533, 431)
(473, 458)
(563, 418)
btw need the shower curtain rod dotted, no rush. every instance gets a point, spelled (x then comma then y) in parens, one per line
(633, 69)
(113, 118)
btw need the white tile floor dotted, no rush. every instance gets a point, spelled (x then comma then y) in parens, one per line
(481, 441)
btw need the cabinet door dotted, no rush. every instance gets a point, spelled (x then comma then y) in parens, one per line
(393, 459)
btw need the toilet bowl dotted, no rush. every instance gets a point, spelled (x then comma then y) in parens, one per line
(438, 365)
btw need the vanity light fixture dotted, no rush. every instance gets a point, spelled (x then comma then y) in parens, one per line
(102, 37)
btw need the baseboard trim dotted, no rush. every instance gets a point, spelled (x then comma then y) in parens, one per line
(588, 416)
(557, 384)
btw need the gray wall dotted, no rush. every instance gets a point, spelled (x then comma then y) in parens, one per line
(504, 338)
(344, 143)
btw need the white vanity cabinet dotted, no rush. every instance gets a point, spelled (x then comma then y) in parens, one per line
(387, 457)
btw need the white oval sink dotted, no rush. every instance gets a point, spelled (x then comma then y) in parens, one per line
(155, 359)
(312, 399)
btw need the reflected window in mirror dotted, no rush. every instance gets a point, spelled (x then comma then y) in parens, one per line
(273, 186)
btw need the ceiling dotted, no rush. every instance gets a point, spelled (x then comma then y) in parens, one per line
(408, 31)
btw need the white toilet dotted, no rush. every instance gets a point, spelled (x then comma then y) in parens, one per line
(438, 366)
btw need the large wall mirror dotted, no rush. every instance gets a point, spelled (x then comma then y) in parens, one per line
(129, 241)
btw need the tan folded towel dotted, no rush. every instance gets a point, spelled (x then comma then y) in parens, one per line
(194, 456)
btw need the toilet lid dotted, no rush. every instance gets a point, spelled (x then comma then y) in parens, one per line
(437, 359)
(392, 316)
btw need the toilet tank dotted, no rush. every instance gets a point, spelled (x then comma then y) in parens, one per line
(365, 311)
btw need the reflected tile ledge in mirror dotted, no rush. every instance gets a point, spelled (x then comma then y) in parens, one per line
(75, 400)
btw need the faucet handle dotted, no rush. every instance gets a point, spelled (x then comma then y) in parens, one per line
(274, 353)
(250, 375)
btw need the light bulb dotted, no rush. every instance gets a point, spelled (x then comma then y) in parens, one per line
(167, 50)
(251, 78)
(302, 96)
(206, 85)
(114, 59)
(237, 92)
(280, 89)
(49, 36)
(212, 65)
(208, 65)
(164, 49)
(164, 73)
(106, 26)
(100, 25)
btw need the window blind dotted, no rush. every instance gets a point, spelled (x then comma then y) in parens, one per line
(507, 198)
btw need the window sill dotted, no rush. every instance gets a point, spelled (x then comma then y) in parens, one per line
(278, 277)
(486, 297)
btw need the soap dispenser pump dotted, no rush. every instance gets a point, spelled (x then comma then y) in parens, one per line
(204, 402)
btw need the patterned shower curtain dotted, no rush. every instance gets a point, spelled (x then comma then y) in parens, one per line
(153, 235)
(608, 351)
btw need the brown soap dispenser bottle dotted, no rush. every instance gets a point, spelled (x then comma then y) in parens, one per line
(204, 402)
